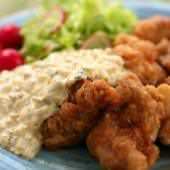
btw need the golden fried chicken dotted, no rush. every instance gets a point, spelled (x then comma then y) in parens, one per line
(154, 29)
(144, 106)
(125, 138)
(147, 49)
(164, 91)
(165, 62)
(128, 118)
(164, 54)
(157, 30)
(164, 134)
(167, 80)
(163, 47)
(121, 148)
(79, 113)
(140, 57)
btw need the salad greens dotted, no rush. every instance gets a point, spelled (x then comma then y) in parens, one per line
(65, 24)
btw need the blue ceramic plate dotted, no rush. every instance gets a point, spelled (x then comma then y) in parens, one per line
(76, 158)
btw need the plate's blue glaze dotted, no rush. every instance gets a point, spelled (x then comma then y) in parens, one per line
(75, 158)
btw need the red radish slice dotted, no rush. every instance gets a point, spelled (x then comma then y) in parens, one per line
(10, 59)
(10, 36)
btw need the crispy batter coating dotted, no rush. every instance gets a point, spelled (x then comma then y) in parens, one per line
(140, 57)
(164, 91)
(164, 54)
(167, 80)
(120, 148)
(79, 114)
(125, 138)
(147, 49)
(165, 62)
(154, 29)
(163, 47)
(164, 135)
(144, 106)
(157, 30)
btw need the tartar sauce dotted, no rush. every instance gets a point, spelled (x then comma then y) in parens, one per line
(32, 93)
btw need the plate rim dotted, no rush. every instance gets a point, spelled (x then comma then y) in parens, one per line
(21, 16)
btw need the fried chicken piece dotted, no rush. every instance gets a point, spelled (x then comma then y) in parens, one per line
(78, 114)
(125, 138)
(165, 62)
(140, 57)
(164, 135)
(119, 148)
(167, 80)
(164, 54)
(165, 132)
(144, 105)
(147, 73)
(153, 29)
(146, 49)
(163, 47)
(164, 91)
(127, 131)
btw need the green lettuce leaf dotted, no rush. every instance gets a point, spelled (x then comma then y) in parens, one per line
(46, 33)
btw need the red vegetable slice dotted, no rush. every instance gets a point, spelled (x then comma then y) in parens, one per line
(10, 59)
(62, 17)
(10, 36)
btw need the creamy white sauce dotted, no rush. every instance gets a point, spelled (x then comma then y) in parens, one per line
(31, 93)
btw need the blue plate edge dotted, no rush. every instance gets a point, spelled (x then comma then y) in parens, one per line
(21, 16)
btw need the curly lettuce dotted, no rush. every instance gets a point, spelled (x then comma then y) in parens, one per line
(66, 24)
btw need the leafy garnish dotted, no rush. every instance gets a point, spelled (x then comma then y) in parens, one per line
(66, 24)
